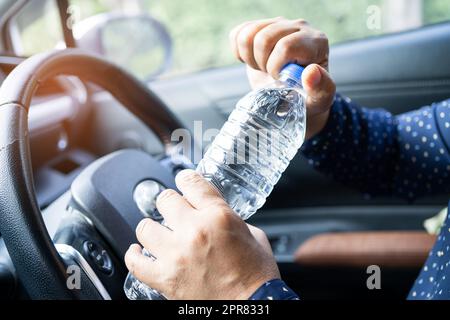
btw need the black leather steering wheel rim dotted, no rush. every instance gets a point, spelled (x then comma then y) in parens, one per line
(35, 258)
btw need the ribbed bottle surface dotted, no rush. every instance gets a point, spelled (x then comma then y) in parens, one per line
(255, 146)
(252, 150)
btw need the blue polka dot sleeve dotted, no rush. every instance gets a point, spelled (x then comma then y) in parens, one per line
(382, 154)
(433, 282)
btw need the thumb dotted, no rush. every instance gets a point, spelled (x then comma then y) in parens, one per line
(319, 87)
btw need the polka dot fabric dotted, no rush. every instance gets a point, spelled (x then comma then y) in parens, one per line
(381, 154)
(274, 289)
(433, 282)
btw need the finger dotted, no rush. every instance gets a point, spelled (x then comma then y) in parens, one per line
(266, 39)
(258, 79)
(233, 39)
(198, 191)
(302, 47)
(173, 207)
(153, 236)
(143, 268)
(319, 87)
(245, 39)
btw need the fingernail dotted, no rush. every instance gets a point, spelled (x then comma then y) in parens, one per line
(313, 76)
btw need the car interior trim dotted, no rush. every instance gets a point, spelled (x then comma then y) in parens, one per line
(65, 250)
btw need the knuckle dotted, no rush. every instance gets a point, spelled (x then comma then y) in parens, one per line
(181, 260)
(188, 176)
(285, 46)
(166, 195)
(321, 39)
(300, 22)
(261, 42)
(224, 219)
(243, 38)
(219, 206)
(201, 237)
(322, 35)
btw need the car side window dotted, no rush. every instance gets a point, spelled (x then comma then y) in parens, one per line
(36, 28)
(199, 28)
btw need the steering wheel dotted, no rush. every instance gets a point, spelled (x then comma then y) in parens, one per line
(38, 263)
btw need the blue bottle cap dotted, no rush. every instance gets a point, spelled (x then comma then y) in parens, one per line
(293, 71)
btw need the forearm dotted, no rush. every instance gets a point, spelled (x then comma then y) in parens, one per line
(357, 147)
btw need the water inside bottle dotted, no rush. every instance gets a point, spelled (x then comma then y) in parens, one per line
(255, 146)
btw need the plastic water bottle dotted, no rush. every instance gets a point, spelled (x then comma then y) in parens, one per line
(256, 144)
(137, 290)
(251, 151)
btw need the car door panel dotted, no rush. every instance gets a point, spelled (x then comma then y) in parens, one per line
(399, 72)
